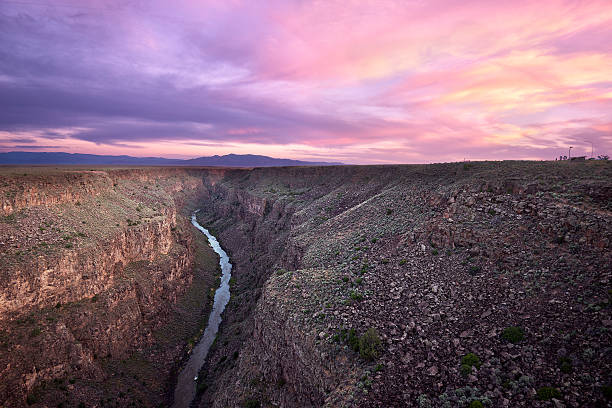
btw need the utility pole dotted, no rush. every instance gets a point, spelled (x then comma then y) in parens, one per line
(569, 153)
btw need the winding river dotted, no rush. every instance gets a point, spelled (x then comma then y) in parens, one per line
(185, 390)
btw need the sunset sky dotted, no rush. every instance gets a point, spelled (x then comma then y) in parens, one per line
(371, 81)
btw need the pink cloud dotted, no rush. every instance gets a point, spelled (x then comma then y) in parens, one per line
(363, 81)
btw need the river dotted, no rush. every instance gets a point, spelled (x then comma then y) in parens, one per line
(185, 390)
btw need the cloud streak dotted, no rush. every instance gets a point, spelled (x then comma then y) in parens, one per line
(358, 81)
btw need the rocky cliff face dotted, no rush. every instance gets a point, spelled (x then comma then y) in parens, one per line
(483, 281)
(93, 266)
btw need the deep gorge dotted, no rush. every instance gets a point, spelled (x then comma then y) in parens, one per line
(103, 268)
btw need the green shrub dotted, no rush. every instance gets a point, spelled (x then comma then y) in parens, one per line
(434, 252)
(565, 364)
(369, 344)
(475, 404)
(32, 399)
(403, 262)
(251, 403)
(607, 391)
(352, 340)
(9, 219)
(513, 334)
(471, 359)
(548, 393)
(465, 370)
(201, 387)
(356, 295)
(474, 270)
(35, 332)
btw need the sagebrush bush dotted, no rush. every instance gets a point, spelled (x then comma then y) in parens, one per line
(548, 393)
(513, 334)
(471, 359)
(369, 344)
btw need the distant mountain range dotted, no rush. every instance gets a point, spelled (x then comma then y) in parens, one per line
(229, 160)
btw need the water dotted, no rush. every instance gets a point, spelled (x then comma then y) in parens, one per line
(185, 389)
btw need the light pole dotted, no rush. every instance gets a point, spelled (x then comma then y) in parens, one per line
(588, 141)
(569, 153)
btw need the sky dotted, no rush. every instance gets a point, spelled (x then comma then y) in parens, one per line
(370, 81)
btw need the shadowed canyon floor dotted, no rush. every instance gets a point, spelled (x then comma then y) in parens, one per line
(366, 286)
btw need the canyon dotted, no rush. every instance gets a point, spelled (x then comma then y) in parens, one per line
(415, 285)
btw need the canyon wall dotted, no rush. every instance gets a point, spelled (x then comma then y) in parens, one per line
(441, 262)
(94, 264)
